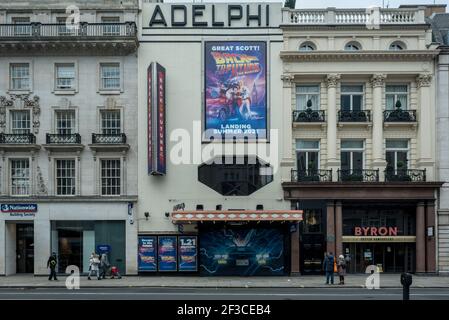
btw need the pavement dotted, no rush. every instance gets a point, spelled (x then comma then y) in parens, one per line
(351, 281)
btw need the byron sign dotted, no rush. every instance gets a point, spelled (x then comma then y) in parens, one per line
(376, 231)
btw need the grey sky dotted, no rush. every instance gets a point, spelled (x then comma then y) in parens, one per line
(334, 3)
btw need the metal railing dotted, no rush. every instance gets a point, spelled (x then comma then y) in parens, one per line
(413, 175)
(83, 30)
(333, 16)
(358, 175)
(98, 138)
(74, 138)
(309, 115)
(354, 115)
(12, 138)
(399, 115)
(311, 175)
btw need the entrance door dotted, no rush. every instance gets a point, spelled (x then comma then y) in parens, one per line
(70, 248)
(25, 248)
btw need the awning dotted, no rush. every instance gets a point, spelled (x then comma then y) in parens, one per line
(234, 215)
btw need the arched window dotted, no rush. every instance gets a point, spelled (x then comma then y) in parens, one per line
(353, 46)
(307, 46)
(397, 46)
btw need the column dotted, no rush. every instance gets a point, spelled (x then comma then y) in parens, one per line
(330, 230)
(430, 241)
(131, 245)
(338, 229)
(42, 245)
(287, 162)
(379, 163)
(332, 161)
(10, 248)
(425, 128)
(420, 238)
(295, 254)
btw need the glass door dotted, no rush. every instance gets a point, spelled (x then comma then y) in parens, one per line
(25, 248)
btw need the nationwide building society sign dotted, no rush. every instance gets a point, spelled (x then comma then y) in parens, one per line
(19, 210)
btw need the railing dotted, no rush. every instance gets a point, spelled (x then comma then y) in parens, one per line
(119, 138)
(74, 138)
(358, 175)
(83, 30)
(26, 138)
(399, 115)
(370, 16)
(311, 175)
(309, 115)
(413, 175)
(354, 116)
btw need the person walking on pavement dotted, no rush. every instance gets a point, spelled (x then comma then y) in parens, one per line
(104, 265)
(341, 265)
(51, 263)
(94, 263)
(329, 267)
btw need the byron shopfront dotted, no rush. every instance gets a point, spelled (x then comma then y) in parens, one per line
(392, 228)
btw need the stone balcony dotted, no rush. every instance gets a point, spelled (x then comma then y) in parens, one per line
(84, 38)
(369, 16)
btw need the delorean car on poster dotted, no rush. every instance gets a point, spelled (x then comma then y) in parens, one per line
(235, 90)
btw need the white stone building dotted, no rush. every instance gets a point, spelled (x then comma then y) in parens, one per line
(440, 25)
(68, 139)
(361, 85)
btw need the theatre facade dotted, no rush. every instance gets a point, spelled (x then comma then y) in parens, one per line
(210, 195)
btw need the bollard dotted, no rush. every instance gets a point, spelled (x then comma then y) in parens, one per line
(406, 281)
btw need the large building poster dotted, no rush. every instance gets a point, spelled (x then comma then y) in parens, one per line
(235, 90)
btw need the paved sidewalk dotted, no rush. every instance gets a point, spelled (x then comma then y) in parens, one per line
(352, 281)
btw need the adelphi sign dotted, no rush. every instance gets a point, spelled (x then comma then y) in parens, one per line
(210, 15)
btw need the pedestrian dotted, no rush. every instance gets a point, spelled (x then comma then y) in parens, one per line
(329, 267)
(341, 264)
(104, 265)
(51, 263)
(94, 263)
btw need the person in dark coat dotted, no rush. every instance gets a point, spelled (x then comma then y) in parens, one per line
(328, 267)
(51, 263)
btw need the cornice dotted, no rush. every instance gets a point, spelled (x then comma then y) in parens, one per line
(371, 55)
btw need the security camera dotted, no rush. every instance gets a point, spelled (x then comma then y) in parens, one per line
(147, 214)
(167, 214)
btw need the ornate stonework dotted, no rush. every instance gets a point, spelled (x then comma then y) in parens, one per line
(332, 80)
(41, 188)
(378, 80)
(20, 101)
(424, 80)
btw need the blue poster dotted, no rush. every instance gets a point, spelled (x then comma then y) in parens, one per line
(235, 90)
(167, 253)
(187, 246)
(147, 253)
(242, 251)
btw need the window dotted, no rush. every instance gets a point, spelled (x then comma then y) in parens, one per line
(110, 76)
(353, 46)
(20, 76)
(396, 95)
(396, 155)
(351, 97)
(235, 176)
(112, 27)
(397, 46)
(20, 177)
(65, 76)
(304, 93)
(22, 26)
(63, 28)
(65, 177)
(20, 122)
(65, 122)
(312, 221)
(110, 177)
(352, 155)
(307, 155)
(110, 122)
(307, 46)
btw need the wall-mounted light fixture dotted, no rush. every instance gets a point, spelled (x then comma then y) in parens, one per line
(167, 214)
(147, 214)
